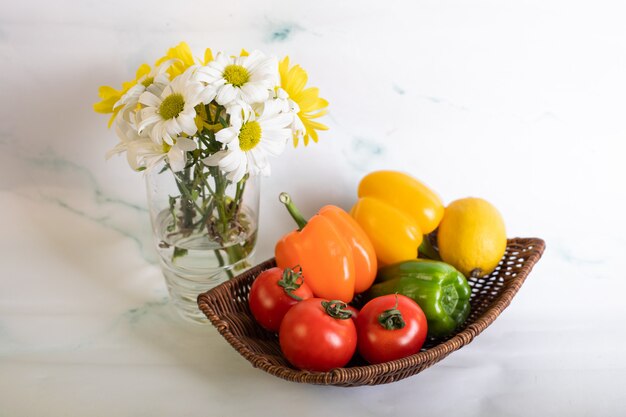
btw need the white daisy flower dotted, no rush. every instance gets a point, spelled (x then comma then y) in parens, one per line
(243, 78)
(128, 137)
(249, 140)
(280, 102)
(172, 112)
(142, 152)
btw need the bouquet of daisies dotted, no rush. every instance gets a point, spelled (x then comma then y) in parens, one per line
(211, 122)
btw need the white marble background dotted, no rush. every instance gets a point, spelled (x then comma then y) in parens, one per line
(520, 102)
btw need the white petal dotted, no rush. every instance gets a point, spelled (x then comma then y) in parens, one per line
(273, 146)
(232, 160)
(156, 133)
(167, 138)
(133, 161)
(271, 107)
(207, 95)
(220, 61)
(158, 85)
(227, 135)
(118, 149)
(148, 117)
(256, 159)
(192, 94)
(278, 121)
(149, 99)
(238, 174)
(254, 92)
(163, 67)
(226, 94)
(253, 60)
(187, 123)
(172, 127)
(265, 70)
(177, 159)
(282, 94)
(186, 144)
(214, 160)
(209, 74)
(239, 112)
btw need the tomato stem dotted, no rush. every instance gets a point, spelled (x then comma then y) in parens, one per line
(392, 319)
(293, 210)
(337, 309)
(291, 281)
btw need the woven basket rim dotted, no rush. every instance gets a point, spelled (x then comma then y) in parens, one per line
(358, 375)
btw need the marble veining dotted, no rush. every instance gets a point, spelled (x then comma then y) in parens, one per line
(134, 315)
(110, 212)
(363, 152)
(510, 101)
(283, 32)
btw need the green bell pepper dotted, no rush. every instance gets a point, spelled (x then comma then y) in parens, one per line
(441, 291)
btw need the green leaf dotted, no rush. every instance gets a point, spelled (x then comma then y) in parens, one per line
(179, 252)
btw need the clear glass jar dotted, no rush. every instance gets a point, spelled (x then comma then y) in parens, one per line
(204, 228)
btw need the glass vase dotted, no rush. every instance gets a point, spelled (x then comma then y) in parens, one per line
(204, 227)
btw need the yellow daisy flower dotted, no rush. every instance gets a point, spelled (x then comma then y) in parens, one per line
(311, 105)
(184, 59)
(110, 96)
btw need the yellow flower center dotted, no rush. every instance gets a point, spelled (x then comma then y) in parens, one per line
(147, 82)
(172, 106)
(236, 75)
(166, 147)
(249, 136)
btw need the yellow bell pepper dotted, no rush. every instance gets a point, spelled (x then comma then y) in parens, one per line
(395, 210)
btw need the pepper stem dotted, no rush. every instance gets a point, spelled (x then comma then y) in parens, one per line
(293, 210)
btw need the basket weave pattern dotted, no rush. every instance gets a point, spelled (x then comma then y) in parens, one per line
(226, 306)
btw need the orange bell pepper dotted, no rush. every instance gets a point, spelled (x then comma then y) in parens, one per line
(336, 256)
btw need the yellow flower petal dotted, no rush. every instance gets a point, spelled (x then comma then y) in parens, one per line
(105, 106)
(106, 92)
(208, 56)
(110, 95)
(311, 134)
(315, 126)
(307, 99)
(315, 114)
(293, 81)
(144, 69)
(283, 68)
(183, 56)
(114, 115)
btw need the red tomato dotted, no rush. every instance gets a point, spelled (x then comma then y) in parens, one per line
(318, 335)
(383, 336)
(273, 293)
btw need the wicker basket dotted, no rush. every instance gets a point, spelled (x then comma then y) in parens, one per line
(226, 306)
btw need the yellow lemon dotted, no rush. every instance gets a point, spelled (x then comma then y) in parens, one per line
(472, 236)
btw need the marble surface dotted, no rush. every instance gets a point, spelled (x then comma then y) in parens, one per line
(521, 103)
